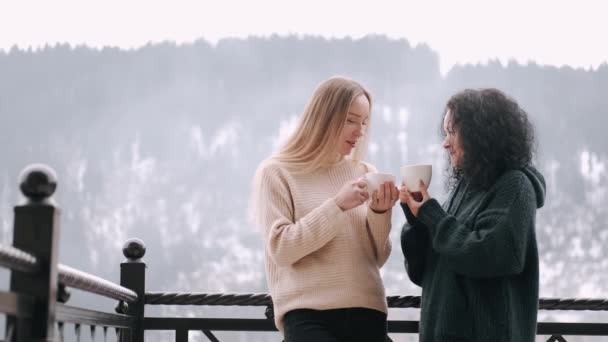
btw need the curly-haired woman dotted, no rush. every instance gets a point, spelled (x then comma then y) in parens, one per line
(476, 255)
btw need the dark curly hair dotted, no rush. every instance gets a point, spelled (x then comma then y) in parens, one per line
(494, 133)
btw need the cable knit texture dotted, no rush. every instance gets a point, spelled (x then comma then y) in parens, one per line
(316, 255)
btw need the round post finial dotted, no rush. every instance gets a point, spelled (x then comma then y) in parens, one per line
(38, 182)
(134, 249)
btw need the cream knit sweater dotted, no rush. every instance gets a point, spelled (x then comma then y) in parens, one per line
(316, 255)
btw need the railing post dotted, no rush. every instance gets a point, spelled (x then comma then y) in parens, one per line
(36, 231)
(133, 276)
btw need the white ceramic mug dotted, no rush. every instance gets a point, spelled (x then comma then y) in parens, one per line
(375, 179)
(411, 175)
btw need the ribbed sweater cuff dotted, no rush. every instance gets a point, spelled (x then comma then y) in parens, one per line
(380, 224)
(411, 219)
(430, 214)
(328, 215)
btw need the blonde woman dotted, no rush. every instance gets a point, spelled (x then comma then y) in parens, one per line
(325, 237)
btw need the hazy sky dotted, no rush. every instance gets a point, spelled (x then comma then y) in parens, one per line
(552, 32)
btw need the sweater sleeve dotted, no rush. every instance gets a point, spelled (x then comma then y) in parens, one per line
(379, 227)
(415, 244)
(286, 240)
(409, 216)
(495, 243)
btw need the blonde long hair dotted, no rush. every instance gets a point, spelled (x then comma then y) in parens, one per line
(312, 146)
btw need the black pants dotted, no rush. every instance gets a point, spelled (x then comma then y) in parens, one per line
(338, 325)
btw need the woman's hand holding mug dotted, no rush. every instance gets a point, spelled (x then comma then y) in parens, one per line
(352, 194)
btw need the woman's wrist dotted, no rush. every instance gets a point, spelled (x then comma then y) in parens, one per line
(339, 203)
(378, 212)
